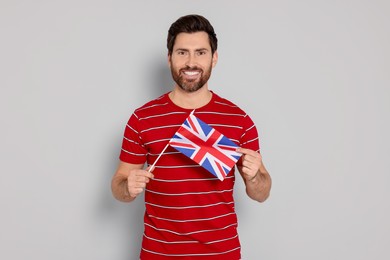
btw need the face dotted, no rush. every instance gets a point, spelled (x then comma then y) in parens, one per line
(191, 61)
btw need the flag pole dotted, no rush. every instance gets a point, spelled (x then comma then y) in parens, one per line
(150, 169)
(192, 112)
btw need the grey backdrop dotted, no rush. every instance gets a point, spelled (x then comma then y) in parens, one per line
(314, 76)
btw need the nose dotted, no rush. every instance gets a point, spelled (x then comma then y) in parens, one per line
(191, 60)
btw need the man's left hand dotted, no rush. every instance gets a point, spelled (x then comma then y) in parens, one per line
(251, 163)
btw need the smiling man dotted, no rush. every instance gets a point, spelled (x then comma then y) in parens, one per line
(190, 63)
(189, 213)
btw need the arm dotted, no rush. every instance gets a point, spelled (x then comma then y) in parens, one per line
(129, 181)
(256, 177)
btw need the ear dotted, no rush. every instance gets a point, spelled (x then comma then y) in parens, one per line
(215, 59)
(169, 60)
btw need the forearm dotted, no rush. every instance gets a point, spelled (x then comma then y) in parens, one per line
(259, 187)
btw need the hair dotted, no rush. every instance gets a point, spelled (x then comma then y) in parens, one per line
(191, 24)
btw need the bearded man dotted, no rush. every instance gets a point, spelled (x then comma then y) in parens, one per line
(189, 213)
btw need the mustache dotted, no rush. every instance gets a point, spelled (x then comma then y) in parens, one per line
(191, 68)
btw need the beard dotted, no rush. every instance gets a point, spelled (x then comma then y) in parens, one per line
(189, 85)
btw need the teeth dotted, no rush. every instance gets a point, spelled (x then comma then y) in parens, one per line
(191, 73)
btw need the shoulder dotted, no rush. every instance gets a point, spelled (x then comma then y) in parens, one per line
(151, 107)
(223, 104)
(233, 112)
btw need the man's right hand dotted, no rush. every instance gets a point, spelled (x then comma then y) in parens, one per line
(129, 180)
(137, 180)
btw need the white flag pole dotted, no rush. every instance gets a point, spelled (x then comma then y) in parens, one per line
(158, 157)
(192, 112)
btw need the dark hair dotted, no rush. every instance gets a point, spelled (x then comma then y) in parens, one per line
(191, 24)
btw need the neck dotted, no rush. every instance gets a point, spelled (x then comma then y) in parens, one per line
(190, 100)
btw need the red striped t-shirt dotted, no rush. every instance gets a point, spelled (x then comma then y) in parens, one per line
(189, 212)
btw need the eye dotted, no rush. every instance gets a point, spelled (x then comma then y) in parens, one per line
(181, 53)
(200, 53)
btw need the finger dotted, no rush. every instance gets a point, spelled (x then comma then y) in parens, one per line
(149, 168)
(249, 164)
(145, 173)
(248, 159)
(142, 179)
(137, 181)
(247, 172)
(135, 192)
(252, 159)
(246, 151)
(139, 184)
(136, 188)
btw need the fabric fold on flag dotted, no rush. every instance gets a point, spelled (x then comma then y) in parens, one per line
(206, 146)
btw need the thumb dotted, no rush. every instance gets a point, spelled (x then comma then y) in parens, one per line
(150, 168)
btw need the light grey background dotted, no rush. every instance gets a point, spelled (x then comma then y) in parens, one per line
(314, 76)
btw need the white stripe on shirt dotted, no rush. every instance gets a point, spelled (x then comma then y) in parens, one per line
(166, 114)
(159, 127)
(182, 255)
(190, 207)
(155, 105)
(192, 220)
(136, 154)
(218, 113)
(189, 193)
(183, 180)
(225, 104)
(190, 241)
(190, 233)
(250, 141)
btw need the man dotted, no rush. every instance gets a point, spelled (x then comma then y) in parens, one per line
(189, 213)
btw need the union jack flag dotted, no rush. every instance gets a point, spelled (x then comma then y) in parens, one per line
(206, 146)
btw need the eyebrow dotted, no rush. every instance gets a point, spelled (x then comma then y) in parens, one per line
(183, 49)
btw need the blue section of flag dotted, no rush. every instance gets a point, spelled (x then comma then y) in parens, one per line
(187, 152)
(205, 127)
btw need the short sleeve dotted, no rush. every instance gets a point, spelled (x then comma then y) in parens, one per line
(133, 150)
(250, 137)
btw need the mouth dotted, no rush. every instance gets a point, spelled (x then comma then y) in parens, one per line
(191, 74)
